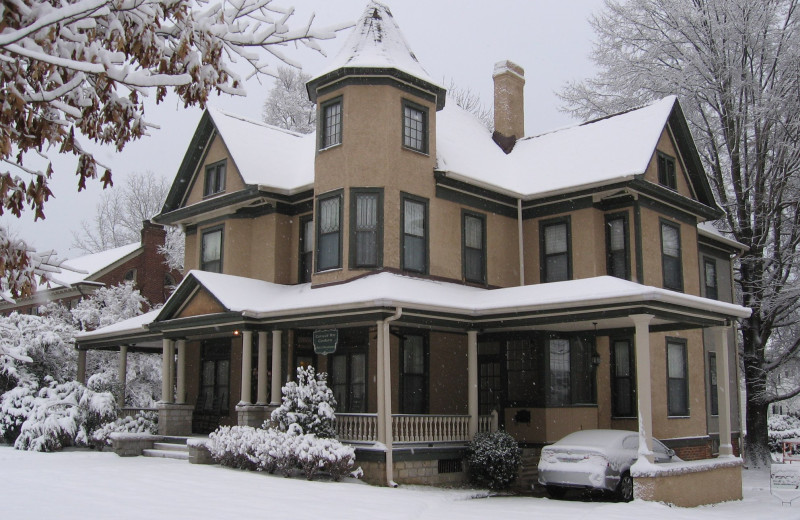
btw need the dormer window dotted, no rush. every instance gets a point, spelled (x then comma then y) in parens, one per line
(415, 127)
(215, 179)
(666, 171)
(331, 131)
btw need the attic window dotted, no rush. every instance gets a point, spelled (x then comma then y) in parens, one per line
(666, 171)
(215, 179)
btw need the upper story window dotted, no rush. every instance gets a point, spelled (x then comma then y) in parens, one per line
(415, 234)
(215, 179)
(415, 127)
(474, 252)
(623, 386)
(555, 247)
(710, 278)
(617, 246)
(366, 228)
(331, 128)
(306, 249)
(329, 232)
(666, 171)
(671, 263)
(211, 251)
(677, 378)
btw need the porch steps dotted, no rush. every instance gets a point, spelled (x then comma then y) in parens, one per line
(170, 448)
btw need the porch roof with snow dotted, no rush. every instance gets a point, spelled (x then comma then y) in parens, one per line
(561, 306)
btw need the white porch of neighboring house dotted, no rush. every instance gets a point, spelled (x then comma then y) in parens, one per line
(265, 314)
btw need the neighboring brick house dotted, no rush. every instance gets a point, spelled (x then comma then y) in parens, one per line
(447, 278)
(140, 262)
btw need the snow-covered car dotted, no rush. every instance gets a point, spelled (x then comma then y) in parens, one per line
(595, 459)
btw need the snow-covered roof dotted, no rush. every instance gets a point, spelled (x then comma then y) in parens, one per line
(612, 149)
(266, 155)
(375, 43)
(84, 268)
(708, 229)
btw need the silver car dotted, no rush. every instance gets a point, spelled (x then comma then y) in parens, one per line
(595, 459)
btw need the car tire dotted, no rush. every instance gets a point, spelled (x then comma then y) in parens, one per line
(625, 488)
(556, 491)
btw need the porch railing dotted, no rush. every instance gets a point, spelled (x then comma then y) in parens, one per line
(357, 427)
(131, 412)
(363, 427)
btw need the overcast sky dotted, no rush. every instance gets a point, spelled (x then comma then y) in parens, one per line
(454, 40)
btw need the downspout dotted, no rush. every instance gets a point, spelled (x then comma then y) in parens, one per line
(387, 394)
(520, 241)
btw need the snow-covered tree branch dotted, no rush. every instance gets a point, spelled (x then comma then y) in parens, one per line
(73, 70)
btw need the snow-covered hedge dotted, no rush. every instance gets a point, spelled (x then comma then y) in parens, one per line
(494, 459)
(142, 422)
(273, 450)
(782, 427)
(309, 403)
(15, 407)
(64, 415)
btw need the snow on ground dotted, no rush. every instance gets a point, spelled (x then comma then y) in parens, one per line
(82, 484)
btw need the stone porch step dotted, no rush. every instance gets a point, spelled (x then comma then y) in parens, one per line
(169, 448)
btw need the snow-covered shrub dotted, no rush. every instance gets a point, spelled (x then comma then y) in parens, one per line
(271, 451)
(234, 446)
(63, 415)
(494, 459)
(15, 407)
(782, 427)
(308, 403)
(142, 422)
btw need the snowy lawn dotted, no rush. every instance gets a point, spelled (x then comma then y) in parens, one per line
(82, 484)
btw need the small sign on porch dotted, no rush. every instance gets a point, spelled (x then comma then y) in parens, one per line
(325, 341)
(784, 482)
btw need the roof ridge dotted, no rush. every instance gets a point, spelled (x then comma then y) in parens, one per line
(253, 121)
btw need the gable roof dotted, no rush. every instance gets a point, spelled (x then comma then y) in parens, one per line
(88, 268)
(612, 149)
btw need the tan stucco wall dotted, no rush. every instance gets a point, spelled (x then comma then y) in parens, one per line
(651, 251)
(694, 425)
(692, 489)
(665, 145)
(550, 424)
(217, 151)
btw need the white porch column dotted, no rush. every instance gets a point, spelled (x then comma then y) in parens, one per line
(81, 367)
(167, 346)
(247, 367)
(387, 400)
(123, 374)
(643, 387)
(276, 367)
(381, 411)
(472, 381)
(723, 393)
(261, 398)
(181, 380)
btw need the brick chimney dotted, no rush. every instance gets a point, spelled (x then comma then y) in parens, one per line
(150, 278)
(509, 104)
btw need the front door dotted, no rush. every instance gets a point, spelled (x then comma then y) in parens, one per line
(490, 385)
(213, 400)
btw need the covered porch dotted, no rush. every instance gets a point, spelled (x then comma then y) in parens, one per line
(436, 402)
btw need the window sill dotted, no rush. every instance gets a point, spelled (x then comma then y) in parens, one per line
(213, 195)
(418, 152)
(331, 147)
(679, 417)
(331, 270)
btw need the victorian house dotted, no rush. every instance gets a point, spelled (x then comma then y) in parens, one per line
(448, 278)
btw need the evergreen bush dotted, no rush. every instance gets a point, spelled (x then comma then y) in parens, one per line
(309, 403)
(494, 459)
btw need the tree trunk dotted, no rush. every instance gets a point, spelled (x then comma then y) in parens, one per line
(757, 436)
